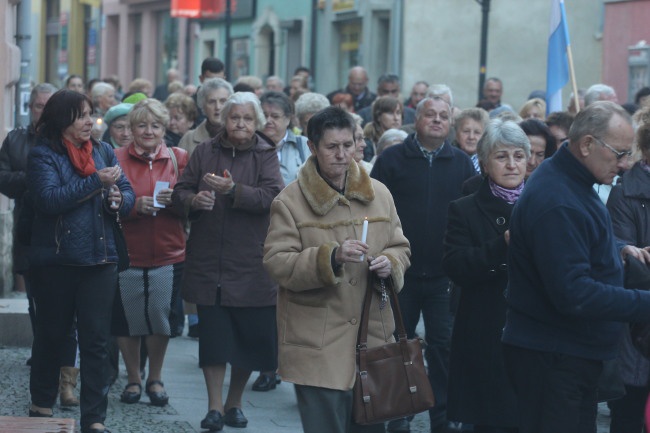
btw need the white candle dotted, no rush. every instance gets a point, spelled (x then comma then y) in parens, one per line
(364, 234)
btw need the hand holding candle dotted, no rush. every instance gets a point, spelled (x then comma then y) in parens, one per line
(219, 184)
(364, 235)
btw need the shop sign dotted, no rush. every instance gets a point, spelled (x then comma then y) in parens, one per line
(342, 5)
(200, 8)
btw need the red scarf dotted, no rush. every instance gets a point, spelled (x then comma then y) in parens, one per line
(81, 157)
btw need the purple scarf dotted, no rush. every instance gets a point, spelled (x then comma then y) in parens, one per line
(509, 195)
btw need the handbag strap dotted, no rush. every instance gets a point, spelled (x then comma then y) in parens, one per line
(387, 284)
(172, 156)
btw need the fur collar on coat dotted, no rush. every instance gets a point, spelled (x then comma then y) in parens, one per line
(322, 197)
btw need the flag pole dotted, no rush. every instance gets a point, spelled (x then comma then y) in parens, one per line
(574, 84)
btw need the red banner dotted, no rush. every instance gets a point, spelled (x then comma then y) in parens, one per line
(201, 8)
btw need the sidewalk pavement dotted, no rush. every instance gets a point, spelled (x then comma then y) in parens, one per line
(268, 412)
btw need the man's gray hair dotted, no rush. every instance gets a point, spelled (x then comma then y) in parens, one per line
(244, 98)
(500, 133)
(310, 103)
(98, 90)
(38, 89)
(594, 120)
(275, 78)
(422, 103)
(441, 90)
(596, 92)
(210, 85)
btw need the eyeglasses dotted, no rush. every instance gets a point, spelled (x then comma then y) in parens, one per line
(619, 155)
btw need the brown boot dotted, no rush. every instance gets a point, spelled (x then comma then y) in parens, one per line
(67, 383)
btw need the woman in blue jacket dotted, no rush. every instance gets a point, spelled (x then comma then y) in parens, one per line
(77, 191)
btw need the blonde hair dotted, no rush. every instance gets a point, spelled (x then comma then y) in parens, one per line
(139, 85)
(535, 102)
(146, 109)
(184, 104)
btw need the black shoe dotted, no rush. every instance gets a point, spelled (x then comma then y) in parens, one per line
(234, 417)
(95, 430)
(264, 383)
(213, 421)
(159, 398)
(442, 428)
(37, 414)
(130, 397)
(400, 425)
(193, 331)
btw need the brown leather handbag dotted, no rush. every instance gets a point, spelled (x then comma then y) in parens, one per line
(391, 381)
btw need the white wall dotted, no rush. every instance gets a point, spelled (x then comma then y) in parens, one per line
(441, 44)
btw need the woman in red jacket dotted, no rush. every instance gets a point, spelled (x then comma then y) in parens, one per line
(156, 241)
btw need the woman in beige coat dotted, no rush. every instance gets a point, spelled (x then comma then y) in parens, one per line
(313, 250)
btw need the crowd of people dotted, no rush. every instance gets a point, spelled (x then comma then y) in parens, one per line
(509, 233)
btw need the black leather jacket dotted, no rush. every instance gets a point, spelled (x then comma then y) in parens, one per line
(13, 162)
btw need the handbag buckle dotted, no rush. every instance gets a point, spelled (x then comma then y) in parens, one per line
(413, 389)
(366, 399)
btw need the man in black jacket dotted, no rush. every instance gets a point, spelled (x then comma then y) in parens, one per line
(424, 174)
(13, 163)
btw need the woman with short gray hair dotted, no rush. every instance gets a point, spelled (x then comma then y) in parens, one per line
(307, 105)
(103, 97)
(500, 133)
(211, 98)
(475, 259)
(389, 138)
(226, 191)
(244, 98)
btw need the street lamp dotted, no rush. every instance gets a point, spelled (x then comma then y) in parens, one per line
(485, 7)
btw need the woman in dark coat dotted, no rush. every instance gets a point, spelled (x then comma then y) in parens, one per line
(629, 207)
(77, 191)
(226, 192)
(475, 259)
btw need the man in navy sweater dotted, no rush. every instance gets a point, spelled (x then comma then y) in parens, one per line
(424, 174)
(566, 298)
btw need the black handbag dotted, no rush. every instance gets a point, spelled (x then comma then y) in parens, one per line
(391, 381)
(123, 261)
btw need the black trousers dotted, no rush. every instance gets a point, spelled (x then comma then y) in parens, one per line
(628, 411)
(324, 410)
(557, 393)
(431, 298)
(69, 346)
(60, 294)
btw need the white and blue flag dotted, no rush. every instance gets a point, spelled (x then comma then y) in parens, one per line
(557, 67)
